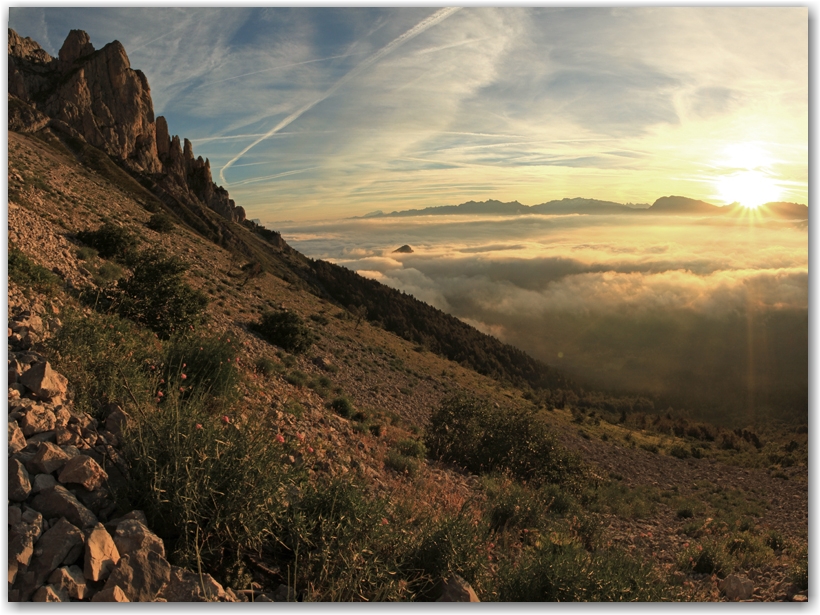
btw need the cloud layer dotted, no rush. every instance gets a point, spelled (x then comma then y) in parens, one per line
(643, 304)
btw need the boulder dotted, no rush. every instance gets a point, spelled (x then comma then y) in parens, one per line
(186, 586)
(44, 382)
(19, 483)
(49, 593)
(58, 501)
(457, 589)
(17, 441)
(42, 482)
(48, 458)
(141, 575)
(56, 547)
(70, 580)
(83, 470)
(132, 536)
(101, 554)
(37, 420)
(117, 420)
(110, 594)
(736, 587)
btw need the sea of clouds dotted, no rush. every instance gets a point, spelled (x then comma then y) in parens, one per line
(716, 308)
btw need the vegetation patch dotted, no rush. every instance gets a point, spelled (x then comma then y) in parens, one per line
(285, 329)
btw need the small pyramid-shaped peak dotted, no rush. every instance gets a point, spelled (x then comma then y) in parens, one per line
(405, 249)
(77, 45)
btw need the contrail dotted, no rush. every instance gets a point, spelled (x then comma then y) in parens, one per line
(420, 27)
(267, 70)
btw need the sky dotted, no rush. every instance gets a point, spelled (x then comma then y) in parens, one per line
(309, 113)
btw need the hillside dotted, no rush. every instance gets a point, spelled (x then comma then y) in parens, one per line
(379, 450)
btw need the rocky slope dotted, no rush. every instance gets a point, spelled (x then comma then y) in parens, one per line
(95, 95)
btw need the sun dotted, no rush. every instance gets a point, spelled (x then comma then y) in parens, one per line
(747, 177)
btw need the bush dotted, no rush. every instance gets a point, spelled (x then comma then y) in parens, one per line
(107, 273)
(110, 241)
(483, 439)
(86, 254)
(411, 448)
(161, 223)
(267, 367)
(157, 296)
(681, 452)
(286, 330)
(25, 272)
(401, 463)
(297, 378)
(343, 407)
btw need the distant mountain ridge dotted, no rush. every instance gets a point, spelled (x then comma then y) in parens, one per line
(665, 205)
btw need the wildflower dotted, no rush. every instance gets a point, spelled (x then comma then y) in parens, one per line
(153, 367)
(184, 376)
(384, 521)
(159, 394)
(280, 438)
(199, 425)
(200, 347)
(700, 548)
(162, 380)
(686, 545)
(181, 389)
(184, 365)
(309, 449)
(301, 436)
(226, 419)
(157, 399)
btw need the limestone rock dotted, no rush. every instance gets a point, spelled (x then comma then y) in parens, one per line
(37, 420)
(17, 440)
(457, 589)
(140, 575)
(77, 45)
(19, 483)
(83, 470)
(110, 594)
(185, 586)
(69, 579)
(132, 536)
(49, 458)
(49, 593)
(58, 501)
(101, 554)
(44, 382)
(55, 546)
(42, 482)
(736, 587)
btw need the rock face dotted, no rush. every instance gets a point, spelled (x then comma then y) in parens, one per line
(97, 96)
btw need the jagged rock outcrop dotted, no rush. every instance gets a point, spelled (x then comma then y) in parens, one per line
(96, 95)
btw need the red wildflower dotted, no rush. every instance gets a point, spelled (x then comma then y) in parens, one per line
(280, 438)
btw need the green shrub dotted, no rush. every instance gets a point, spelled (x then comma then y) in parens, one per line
(107, 273)
(267, 367)
(483, 439)
(568, 573)
(25, 272)
(285, 329)
(110, 241)
(297, 378)
(651, 448)
(161, 223)
(681, 452)
(401, 463)
(157, 296)
(343, 407)
(86, 253)
(799, 568)
(411, 448)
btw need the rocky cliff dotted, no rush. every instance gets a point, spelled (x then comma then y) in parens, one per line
(96, 95)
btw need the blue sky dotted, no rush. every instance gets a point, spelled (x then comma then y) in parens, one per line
(312, 113)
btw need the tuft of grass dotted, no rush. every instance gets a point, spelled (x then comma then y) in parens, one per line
(403, 464)
(25, 272)
(297, 378)
(411, 448)
(267, 367)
